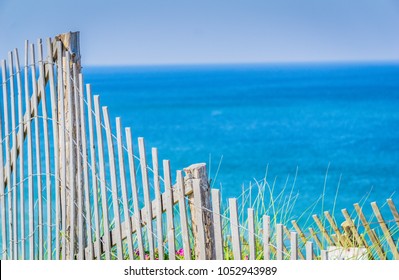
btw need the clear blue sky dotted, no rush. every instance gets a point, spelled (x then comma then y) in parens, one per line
(210, 31)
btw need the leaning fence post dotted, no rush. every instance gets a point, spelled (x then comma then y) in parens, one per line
(70, 49)
(195, 172)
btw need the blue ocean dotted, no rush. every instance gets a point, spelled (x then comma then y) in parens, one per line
(327, 131)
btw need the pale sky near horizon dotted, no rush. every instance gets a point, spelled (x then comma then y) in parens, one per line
(210, 31)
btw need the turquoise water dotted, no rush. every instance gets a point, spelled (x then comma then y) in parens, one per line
(314, 126)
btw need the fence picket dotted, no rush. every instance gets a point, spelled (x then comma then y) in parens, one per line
(294, 245)
(70, 202)
(8, 159)
(85, 167)
(235, 228)
(30, 158)
(324, 255)
(316, 238)
(371, 234)
(217, 224)
(54, 113)
(122, 177)
(183, 216)
(158, 198)
(2, 192)
(79, 156)
(103, 183)
(288, 235)
(136, 208)
(279, 242)
(393, 211)
(322, 230)
(62, 147)
(309, 250)
(94, 181)
(266, 237)
(385, 229)
(335, 228)
(353, 228)
(251, 234)
(199, 222)
(13, 158)
(46, 146)
(38, 152)
(114, 184)
(146, 190)
(299, 231)
(169, 210)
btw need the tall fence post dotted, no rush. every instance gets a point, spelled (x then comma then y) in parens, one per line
(195, 172)
(70, 58)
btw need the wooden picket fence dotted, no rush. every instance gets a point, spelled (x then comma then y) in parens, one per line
(357, 237)
(72, 186)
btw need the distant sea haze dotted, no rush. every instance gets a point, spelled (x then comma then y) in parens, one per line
(317, 127)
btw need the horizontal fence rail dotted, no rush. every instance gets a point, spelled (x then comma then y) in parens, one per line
(75, 185)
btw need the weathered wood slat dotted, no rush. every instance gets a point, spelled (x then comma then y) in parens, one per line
(62, 165)
(13, 158)
(114, 183)
(122, 177)
(386, 230)
(85, 167)
(394, 212)
(235, 229)
(2, 191)
(183, 216)
(309, 250)
(78, 155)
(198, 171)
(103, 183)
(7, 172)
(38, 153)
(158, 199)
(54, 113)
(299, 231)
(301, 236)
(288, 235)
(136, 208)
(323, 230)
(217, 224)
(279, 242)
(199, 215)
(30, 159)
(334, 238)
(353, 228)
(266, 237)
(335, 228)
(169, 210)
(94, 181)
(374, 239)
(147, 200)
(71, 171)
(41, 83)
(251, 234)
(285, 250)
(294, 245)
(316, 238)
(21, 154)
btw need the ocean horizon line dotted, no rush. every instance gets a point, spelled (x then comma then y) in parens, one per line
(265, 63)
